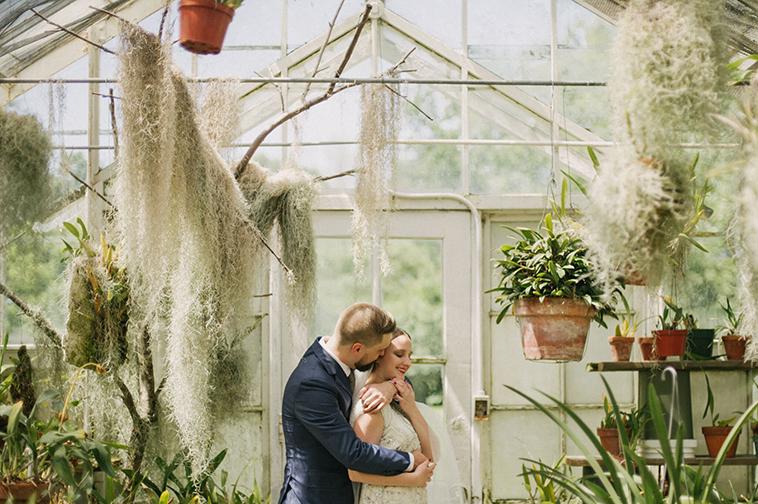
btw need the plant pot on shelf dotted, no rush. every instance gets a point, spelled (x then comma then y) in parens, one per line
(554, 329)
(609, 438)
(23, 491)
(700, 343)
(734, 346)
(670, 343)
(621, 348)
(634, 277)
(203, 24)
(716, 436)
(647, 347)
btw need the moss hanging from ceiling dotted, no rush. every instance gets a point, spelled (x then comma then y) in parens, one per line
(666, 83)
(185, 237)
(24, 174)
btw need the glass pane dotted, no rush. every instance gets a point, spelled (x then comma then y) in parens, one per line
(427, 384)
(443, 24)
(428, 168)
(584, 43)
(504, 169)
(497, 114)
(413, 292)
(33, 269)
(307, 20)
(337, 287)
(588, 107)
(511, 37)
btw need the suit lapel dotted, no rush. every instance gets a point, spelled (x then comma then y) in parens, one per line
(334, 369)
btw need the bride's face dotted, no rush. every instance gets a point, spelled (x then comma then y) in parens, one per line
(396, 360)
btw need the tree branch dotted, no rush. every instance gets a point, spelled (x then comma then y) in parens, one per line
(35, 315)
(114, 126)
(332, 90)
(323, 49)
(73, 34)
(336, 175)
(85, 184)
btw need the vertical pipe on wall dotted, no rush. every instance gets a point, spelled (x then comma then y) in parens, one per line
(93, 204)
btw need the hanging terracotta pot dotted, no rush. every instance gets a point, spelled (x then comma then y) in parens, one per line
(203, 24)
(734, 346)
(672, 342)
(647, 347)
(715, 438)
(621, 348)
(555, 329)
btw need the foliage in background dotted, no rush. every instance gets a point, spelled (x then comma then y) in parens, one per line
(378, 156)
(25, 186)
(553, 264)
(630, 480)
(184, 236)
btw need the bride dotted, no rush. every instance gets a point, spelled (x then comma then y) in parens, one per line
(399, 426)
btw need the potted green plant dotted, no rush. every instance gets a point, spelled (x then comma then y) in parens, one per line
(716, 434)
(734, 343)
(623, 339)
(546, 279)
(671, 338)
(203, 24)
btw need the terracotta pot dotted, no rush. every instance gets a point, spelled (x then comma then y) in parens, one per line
(715, 437)
(609, 438)
(203, 24)
(621, 348)
(22, 491)
(634, 277)
(647, 347)
(734, 346)
(670, 343)
(554, 330)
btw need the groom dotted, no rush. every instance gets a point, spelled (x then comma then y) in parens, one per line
(320, 443)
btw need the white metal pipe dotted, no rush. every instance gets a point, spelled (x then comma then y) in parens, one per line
(477, 348)
(447, 141)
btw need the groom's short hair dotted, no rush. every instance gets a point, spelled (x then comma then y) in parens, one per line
(364, 323)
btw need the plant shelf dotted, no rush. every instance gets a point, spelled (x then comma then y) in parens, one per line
(700, 460)
(687, 365)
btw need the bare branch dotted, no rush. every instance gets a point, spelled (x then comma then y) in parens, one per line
(110, 13)
(323, 49)
(337, 175)
(163, 20)
(114, 126)
(37, 317)
(73, 34)
(402, 61)
(405, 98)
(351, 47)
(85, 184)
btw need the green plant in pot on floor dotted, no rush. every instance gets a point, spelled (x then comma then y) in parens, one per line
(545, 277)
(734, 342)
(716, 434)
(671, 338)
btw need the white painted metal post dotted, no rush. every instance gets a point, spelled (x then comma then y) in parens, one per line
(93, 204)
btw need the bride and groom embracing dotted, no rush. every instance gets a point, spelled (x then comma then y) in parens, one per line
(388, 449)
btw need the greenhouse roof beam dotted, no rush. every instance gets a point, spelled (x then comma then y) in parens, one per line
(46, 58)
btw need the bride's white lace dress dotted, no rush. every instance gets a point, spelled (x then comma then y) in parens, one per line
(399, 435)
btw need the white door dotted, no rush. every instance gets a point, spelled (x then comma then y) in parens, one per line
(428, 291)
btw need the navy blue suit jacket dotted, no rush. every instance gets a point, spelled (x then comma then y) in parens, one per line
(320, 443)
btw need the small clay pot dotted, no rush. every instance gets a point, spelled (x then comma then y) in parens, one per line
(203, 24)
(734, 346)
(621, 348)
(609, 438)
(715, 438)
(670, 343)
(22, 491)
(647, 347)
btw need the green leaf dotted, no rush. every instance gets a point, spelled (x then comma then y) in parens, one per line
(71, 229)
(14, 416)
(593, 157)
(165, 498)
(693, 242)
(103, 459)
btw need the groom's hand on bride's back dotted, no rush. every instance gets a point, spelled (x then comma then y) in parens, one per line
(376, 396)
(423, 473)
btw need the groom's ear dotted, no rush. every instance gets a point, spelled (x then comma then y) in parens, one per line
(357, 347)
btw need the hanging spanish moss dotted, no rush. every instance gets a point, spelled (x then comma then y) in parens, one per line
(198, 251)
(378, 156)
(666, 84)
(220, 111)
(286, 199)
(25, 187)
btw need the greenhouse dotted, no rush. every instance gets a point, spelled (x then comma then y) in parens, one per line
(378, 251)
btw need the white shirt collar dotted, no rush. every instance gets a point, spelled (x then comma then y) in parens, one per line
(345, 367)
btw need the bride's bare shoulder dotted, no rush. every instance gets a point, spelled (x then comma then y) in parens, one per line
(369, 427)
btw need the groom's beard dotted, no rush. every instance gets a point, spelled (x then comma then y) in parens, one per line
(364, 367)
